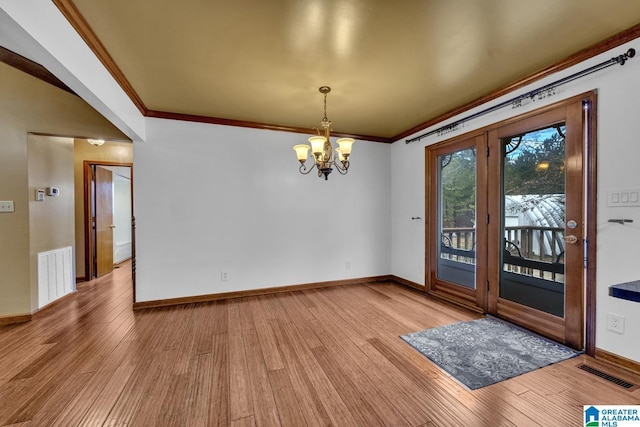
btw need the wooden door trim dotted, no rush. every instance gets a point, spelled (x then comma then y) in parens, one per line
(575, 305)
(591, 193)
(88, 238)
(547, 324)
(493, 228)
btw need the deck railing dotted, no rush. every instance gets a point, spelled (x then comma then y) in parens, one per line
(529, 250)
(459, 244)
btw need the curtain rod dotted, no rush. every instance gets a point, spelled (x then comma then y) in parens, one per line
(620, 59)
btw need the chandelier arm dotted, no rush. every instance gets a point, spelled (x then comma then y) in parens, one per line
(303, 169)
(342, 168)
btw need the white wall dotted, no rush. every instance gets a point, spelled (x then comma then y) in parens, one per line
(618, 157)
(212, 198)
(121, 217)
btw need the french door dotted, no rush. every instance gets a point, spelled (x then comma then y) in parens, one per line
(456, 195)
(514, 246)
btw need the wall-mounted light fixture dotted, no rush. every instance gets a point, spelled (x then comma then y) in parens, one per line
(96, 142)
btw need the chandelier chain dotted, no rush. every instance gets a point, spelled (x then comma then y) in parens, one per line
(325, 108)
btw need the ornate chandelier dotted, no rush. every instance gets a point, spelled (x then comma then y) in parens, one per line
(323, 153)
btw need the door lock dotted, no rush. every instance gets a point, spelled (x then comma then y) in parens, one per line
(571, 239)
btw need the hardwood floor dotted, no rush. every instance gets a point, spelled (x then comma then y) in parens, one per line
(330, 356)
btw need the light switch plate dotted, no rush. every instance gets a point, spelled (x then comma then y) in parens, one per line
(622, 198)
(6, 206)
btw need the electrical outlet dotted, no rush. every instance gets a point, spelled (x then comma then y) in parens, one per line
(6, 205)
(224, 276)
(347, 265)
(615, 323)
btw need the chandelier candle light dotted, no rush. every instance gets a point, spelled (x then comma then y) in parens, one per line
(324, 157)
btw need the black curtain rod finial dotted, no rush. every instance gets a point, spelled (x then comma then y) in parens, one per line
(628, 55)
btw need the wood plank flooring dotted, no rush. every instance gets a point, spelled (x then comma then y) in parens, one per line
(322, 357)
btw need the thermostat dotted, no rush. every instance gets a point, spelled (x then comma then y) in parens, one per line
(53, 191)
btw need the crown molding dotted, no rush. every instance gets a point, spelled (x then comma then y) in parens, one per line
(255, 125)
(578, 57)
(80, 24)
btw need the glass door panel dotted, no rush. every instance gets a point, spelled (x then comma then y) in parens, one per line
(456, 260)
(533, 219)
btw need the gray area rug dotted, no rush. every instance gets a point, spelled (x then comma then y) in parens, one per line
(485, 351)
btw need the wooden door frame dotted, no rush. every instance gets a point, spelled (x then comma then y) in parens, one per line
(588, 99)
(590, 108)
(88, 234)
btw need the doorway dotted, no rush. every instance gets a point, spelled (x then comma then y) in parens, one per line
(508, 210)
(109, 234)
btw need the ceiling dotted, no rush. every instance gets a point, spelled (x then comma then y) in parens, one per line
(392, 65)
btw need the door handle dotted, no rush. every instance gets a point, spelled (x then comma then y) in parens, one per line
(112, 226)
(571, 239)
